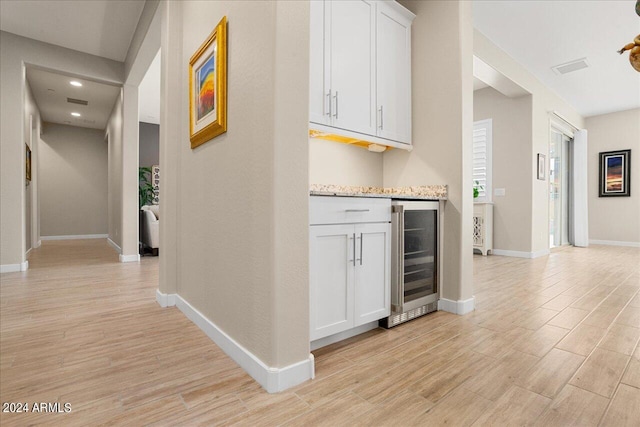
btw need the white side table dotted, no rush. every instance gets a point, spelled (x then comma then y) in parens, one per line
(483, 227)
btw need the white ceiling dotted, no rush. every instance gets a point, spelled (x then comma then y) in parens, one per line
(52, 90)
(542, 34)
(99, 27)
(149, 94)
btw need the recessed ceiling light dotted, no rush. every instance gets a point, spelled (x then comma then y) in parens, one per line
(75, 83)
(75, 114)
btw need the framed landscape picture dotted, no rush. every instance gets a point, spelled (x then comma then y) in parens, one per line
(28, 162)
(615, 173)
(208, 87)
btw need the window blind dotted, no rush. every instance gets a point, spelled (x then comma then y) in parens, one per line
(482, 138)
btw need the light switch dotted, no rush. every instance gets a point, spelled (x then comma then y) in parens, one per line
(499, 192)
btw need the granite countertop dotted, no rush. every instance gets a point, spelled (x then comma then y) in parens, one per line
(421, 192)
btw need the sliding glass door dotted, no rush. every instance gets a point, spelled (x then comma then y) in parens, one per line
(559, 188)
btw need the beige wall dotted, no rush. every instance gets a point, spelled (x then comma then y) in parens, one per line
(614, 219)
(129, 169)
(511, 126)
(543, 101)
(114, 179)
(242, 198)
(73, 188)
(17, 51)
(171, 137)
(149, 145)
(341, 164)
(442, 82)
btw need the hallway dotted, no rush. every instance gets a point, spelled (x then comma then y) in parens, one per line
(554, 339)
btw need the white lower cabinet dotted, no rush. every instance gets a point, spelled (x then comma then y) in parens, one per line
(331, 285)
(350, 275)
(372, 273)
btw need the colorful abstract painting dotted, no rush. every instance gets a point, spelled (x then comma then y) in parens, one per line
(207, 87)
(615, 173)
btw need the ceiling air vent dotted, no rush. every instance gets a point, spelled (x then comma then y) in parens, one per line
(571, 66)
(77, 101)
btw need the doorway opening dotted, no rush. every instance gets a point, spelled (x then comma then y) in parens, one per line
(559, 188)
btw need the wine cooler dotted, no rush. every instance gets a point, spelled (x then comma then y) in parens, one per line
(414, 260)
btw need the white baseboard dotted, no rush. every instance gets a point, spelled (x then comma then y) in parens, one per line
(273, 380)
(541, 253)
(615, 243)
(75, 237)
(520, 254)
(165, 300)
(28, 252)
(457, 307)
(12, 268)
(129, 258)
(114, 245)
(322, 342)
(38, 243)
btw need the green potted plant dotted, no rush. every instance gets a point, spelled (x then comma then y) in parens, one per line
(145, 189)
(476, 189)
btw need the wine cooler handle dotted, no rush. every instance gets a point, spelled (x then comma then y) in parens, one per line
(399, 290)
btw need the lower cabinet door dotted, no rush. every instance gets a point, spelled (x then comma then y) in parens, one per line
(372, 272)
(332, 254)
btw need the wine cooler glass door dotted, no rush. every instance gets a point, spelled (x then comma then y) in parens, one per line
(420, 254)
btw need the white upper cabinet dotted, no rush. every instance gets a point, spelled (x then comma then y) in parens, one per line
(360, 70)
(318, 79)
(393, 59)
(349, 25)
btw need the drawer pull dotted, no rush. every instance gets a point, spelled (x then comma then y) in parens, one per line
(356, 210)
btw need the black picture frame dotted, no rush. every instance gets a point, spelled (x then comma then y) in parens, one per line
(615, 174)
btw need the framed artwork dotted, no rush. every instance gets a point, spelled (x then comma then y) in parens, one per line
(615, 174)
(28, 162)
(208, 87)
(542, 167)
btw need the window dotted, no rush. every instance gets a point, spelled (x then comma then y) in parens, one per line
(482, 138)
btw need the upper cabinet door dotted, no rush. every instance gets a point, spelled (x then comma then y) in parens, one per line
(393, 28)
(319, 96)
(351, 30)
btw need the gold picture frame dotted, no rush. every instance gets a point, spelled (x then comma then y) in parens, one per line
(208, 87)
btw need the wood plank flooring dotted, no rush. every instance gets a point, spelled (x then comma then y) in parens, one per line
(553, 342)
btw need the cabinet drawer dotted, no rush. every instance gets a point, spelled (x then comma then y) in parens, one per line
(348, 210)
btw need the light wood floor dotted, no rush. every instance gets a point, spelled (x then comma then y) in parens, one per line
(554, 341)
